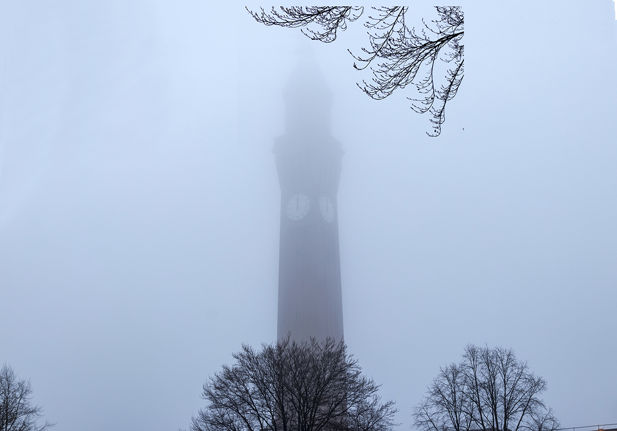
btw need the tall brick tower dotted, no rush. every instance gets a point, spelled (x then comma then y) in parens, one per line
(308, 161)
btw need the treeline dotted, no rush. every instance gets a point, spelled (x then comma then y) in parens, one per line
(319, 386)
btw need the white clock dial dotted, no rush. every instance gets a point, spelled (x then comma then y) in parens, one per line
(326, 207)
(298, 206)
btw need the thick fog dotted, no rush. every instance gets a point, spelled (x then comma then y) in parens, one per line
(139, 204)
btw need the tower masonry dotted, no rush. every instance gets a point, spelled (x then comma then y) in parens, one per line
(308, 161)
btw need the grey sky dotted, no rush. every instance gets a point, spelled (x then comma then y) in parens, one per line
(139, 204)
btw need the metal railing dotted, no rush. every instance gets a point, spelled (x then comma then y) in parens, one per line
(589, 427)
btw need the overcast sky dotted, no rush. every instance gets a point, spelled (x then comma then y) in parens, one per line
(139, 204)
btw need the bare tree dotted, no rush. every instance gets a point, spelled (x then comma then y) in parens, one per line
(288, 386)
(398, 55)
(446, 406)
(489, 390)
(17, 413)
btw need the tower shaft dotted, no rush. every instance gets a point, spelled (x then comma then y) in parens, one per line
(310, 295)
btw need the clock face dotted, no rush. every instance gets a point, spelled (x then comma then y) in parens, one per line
(326, 207)
(298, 206)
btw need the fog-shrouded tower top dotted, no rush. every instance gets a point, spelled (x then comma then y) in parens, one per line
(308, 161)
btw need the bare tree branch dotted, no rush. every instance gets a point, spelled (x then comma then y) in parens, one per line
(398, 55)
(321, 22)
(489, 390)
(288, 386)
(17, 413)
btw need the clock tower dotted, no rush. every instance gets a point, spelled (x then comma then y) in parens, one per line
(308, 161)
